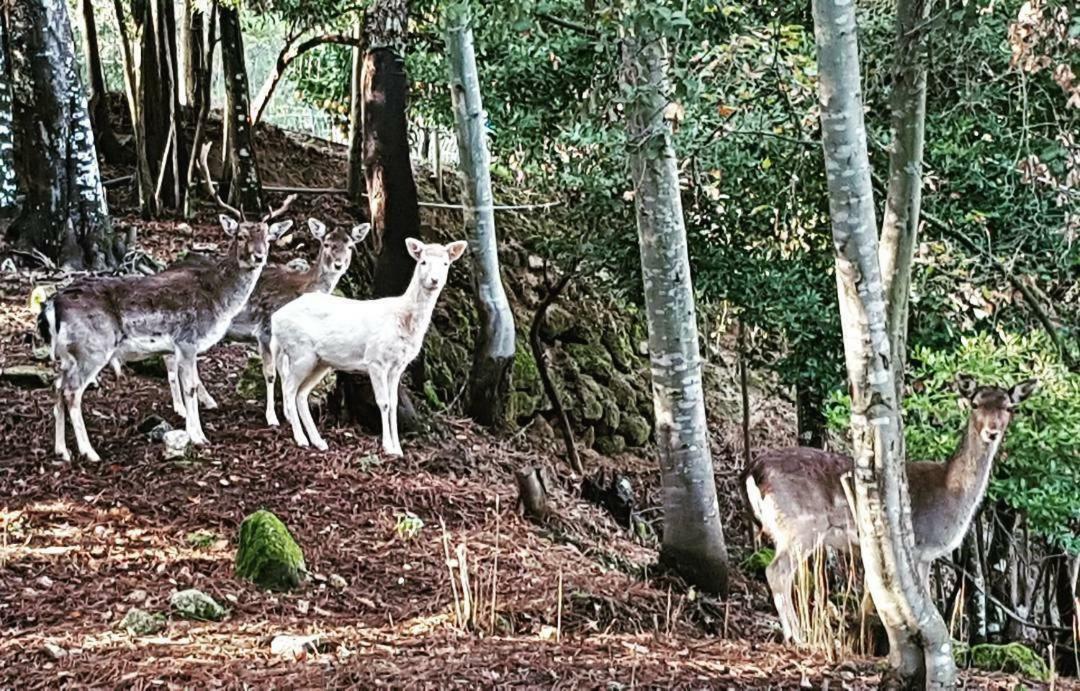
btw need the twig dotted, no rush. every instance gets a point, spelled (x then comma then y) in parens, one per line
(567, 24)
(1004, 608)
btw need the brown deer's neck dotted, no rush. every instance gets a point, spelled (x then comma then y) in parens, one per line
(967, 472)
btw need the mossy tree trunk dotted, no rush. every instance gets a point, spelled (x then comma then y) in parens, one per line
(693, 537)
(64, 215)
(493, 356)
(242, 172)
(920, 648)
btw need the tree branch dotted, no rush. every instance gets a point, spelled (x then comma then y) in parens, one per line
(285, 58)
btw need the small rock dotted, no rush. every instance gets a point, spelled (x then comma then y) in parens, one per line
(154, 428)
(303, 606)
(294, 647)
(138, 622)
(183, 228)
(137, 596)
(338, 582)
(177, 443)
(298, 265)
(53, 650)
(44, 581)
(536, 262)
(197, 605)
(268, 555)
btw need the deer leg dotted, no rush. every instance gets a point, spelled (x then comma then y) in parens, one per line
(205, 399)
(73, 398)
(781, 575)
(292, 376)
(269, 376)
(380, 386)
(310, 383)
(174, 385)
(60, 445)
(393, 381)
(189, 378)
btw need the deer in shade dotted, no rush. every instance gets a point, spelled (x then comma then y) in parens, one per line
(181, 311)
(798, 496)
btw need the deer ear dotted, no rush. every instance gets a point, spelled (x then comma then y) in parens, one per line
(415, 247)
(1019, 393)
(228, 224)
(966, 385)
(317, 228)
(278, 229)
(359, 232)
(456, 249)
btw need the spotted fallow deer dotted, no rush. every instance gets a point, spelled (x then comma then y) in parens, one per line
(798, 496)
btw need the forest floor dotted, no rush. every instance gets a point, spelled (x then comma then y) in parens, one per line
(576, 602)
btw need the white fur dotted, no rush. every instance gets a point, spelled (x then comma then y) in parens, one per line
(317, 333)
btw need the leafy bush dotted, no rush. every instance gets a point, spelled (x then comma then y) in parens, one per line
(1038, 470)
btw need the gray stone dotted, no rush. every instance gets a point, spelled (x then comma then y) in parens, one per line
(197, 605)
(177, 443)
(138, 622)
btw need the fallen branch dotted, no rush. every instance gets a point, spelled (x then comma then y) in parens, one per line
(208, 183)
(532, 491)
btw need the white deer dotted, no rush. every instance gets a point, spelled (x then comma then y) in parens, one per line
(798, 496)
(181, 311)
(316, 333)
(277, 286)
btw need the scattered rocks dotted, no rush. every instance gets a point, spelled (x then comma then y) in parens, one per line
(197, 605)
(53, 650)
(296, 647)
(137, 596)
(338, 582)
(27, 376)
(177, 443)
(268, 555)
(154, 428)
(139, 622)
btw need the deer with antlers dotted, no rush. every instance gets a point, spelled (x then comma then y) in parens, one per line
(798, 495)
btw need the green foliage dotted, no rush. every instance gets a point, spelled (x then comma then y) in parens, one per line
(1038, 469)
(758, 561)
(202, 539)
(268, 555)
(1014, 658)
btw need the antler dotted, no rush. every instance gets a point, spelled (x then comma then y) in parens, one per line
(274, 213)
(208, 183)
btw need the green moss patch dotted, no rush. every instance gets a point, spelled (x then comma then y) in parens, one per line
(268, 556)
(1013, 658)
(758, 561)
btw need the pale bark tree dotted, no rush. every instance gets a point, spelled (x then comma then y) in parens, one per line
(493, 354)
(920, 647)
(7, 134)
(194, 54)
(693, 540)
(242, 171)
(64, 215)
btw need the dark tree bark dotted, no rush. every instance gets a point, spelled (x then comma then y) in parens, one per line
(244, 187)
(357, 184)
(810, 415)
(7, 138)
(194, 62)
(98, 95)
(144, 180)
(64, 215)
(392, 198)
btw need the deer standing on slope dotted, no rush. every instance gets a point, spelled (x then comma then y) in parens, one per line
(316, 333)
(798, 497)
(183, 311)
(277, 286)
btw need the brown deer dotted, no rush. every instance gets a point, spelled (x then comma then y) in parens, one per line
(798, 496)
(277, 286)
(181, 311)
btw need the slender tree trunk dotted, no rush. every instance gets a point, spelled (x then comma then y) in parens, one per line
(288, 54)
(64, 215)
(392, 198)
(98, 95)
(356, 183)
(693, 537)
(920, 648)
(976, 586)
(191, 38)
(153, 92)
(7, 132)
(903, 203)
(245, 188)
(493, 356)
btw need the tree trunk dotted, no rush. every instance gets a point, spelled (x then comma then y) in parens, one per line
(64, 215)
(693, 537)
(920, 649)
(194, 60)
(392, 198)
(153, 93)
(98, 95)
(976, 585)
(245, 189)
(899, 228)
(810, 415)
(356, 184)
(144, 180)
(7, 139)
(493, 355)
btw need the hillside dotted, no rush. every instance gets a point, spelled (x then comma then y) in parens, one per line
(575, 602)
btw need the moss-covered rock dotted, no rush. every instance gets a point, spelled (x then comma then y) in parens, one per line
(635, 428)
(612, 416)
(592, 359)
(617, 342)
(197, 605)
(526, 376)
(624, 393)
(446, 364)
(558, 322)
(139, 622)
(268, 555)
(251, 386)
(1014, 658)
(591, 396)
(610, 445)
(523, 405)
(757, 562)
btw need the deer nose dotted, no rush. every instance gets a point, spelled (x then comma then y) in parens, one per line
(991, 435)
(338, 266)
(258, 258)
